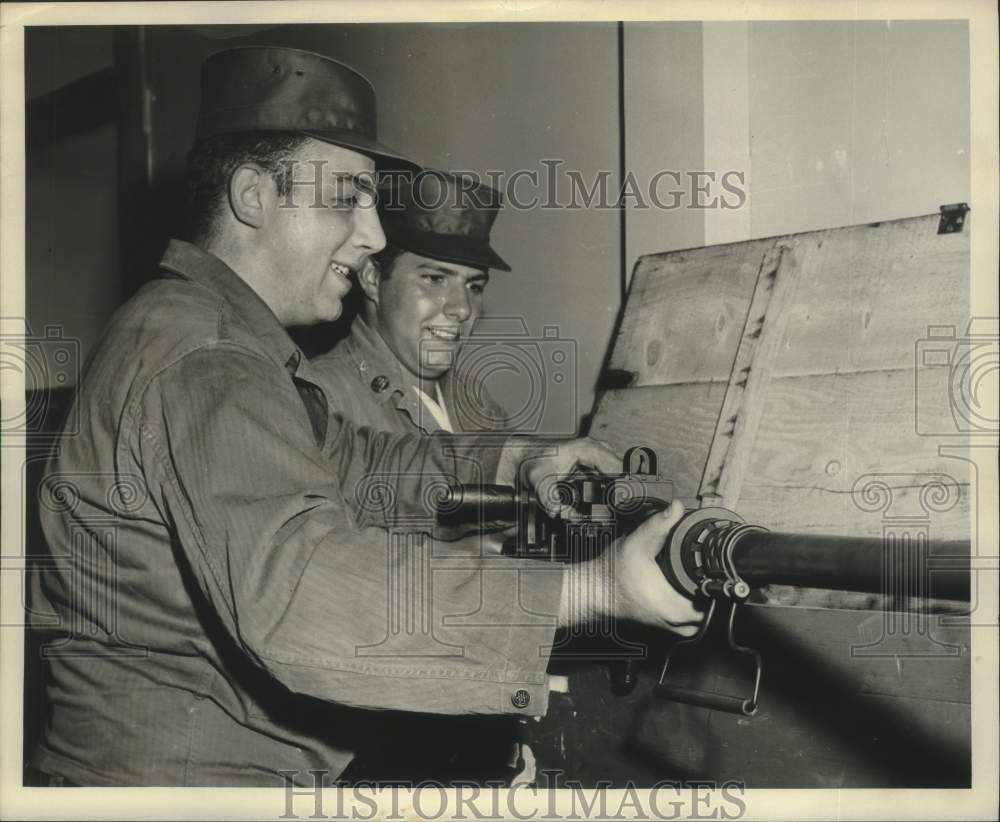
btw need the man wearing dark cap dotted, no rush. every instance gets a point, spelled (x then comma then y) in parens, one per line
(217, 604)
(421, 298)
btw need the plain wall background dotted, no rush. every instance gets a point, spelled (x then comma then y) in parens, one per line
(664, 130)
(71, 248)
(856, 122)
(832, 123)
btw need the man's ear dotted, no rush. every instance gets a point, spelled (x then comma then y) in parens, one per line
(248, 194)
(369, 278)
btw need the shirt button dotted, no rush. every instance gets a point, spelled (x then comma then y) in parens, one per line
(520, 698)
(379, 384)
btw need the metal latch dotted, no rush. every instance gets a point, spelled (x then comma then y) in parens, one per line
(953, 218)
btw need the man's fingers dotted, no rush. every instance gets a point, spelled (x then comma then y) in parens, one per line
(597, 455)
(684, 618)
(688, 614)
(673, 514)
(652, 534)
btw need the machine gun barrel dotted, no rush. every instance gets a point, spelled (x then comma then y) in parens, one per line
(478, 503)
(713, 547)
(936, 568)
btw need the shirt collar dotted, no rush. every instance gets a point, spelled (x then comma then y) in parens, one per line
(373, 359)
(195, 264)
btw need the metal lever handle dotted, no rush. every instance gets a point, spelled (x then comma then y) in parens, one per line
(707, 699)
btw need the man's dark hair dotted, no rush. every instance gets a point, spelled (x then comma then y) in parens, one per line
(211, 162)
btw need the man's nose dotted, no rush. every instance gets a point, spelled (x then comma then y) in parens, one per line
(458, 305)
(368, 234)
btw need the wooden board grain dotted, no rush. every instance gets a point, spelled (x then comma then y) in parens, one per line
(676, 421)
(868, 299)
(870, 295)
(818, 511)
(834, 434)
(672, 334)
(750, 377)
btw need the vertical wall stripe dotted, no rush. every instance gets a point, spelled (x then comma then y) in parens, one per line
(664, 136)
(623, 251)
(726, 87)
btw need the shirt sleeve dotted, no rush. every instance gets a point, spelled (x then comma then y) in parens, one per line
(330, 605)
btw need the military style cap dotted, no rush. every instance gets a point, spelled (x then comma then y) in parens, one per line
(446, 218)
(270, 88)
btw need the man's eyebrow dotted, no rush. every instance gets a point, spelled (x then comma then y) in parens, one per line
(362, 181)
(443, 269)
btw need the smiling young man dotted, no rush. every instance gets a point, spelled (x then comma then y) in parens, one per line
(220, 589)
(421, 297)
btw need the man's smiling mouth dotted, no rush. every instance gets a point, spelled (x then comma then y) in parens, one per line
(444, 333)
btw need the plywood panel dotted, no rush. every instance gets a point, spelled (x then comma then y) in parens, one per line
(864, 303)
(823, 439)
(820, 511)
(749, 383)
(676, 421)
(672, 333)
(792, 596)
(870, 294)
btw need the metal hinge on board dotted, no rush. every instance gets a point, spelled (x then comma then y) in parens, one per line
(952, 218)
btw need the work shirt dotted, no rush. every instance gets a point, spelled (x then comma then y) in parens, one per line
(369, 385)
(223, 587)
